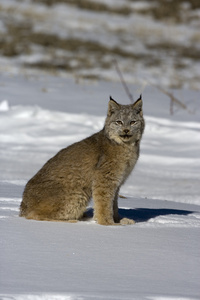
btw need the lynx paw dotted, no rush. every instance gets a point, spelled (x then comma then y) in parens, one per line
(126, 221)
(105, 222)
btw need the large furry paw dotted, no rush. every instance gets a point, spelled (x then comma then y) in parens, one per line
(126, 221)
(105, 222)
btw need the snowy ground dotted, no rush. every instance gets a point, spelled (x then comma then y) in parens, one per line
(154, 42)
(158, 257)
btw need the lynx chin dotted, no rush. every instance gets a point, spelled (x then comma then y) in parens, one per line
(95, 167)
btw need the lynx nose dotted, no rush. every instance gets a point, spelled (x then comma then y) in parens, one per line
(126, 131)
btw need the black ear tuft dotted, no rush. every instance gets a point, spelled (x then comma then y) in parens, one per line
(111, 98)
(138, 105)
(112, 106)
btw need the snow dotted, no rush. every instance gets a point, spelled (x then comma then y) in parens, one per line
(157, 258)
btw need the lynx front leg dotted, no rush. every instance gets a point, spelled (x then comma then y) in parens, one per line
(116, 216)
(103, 204)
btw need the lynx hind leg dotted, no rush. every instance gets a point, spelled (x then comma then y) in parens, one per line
(61, 215)
(68, 209)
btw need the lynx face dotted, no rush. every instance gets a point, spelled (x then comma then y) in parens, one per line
(124, 123)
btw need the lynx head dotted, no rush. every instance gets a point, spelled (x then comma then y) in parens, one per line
(124, 123)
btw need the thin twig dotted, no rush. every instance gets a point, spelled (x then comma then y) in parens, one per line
(123, 81)
(173, 99)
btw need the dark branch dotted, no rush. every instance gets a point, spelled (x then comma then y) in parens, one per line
(123, 81)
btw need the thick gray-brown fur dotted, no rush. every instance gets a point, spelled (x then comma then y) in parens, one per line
(94, 167)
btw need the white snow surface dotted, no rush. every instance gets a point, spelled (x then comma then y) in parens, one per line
(158, 258)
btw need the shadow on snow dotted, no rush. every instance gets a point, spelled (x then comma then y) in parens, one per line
(145, 214)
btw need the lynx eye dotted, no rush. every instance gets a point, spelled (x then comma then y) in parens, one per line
(118, 122)
(132, 122)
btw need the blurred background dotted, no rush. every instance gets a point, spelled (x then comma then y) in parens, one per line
(156, 42)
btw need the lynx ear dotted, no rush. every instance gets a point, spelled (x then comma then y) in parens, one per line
(138, 105)
(112, 106)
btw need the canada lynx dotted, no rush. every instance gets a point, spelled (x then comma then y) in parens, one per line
(94, 167)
